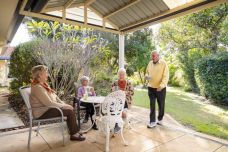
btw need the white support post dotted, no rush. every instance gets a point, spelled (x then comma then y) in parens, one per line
(121, 51)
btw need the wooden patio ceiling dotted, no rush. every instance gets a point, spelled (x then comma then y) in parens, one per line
(116, 16)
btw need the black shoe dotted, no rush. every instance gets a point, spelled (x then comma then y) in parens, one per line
(95, 127)
(116, 129)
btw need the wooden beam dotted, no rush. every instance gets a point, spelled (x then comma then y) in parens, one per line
(23, 5)
(59, 19)
(122, 8)
(101, 16)
(44, 7)
(64, 13)
(81, 15)
(103, 23)
(145, 23)
(85, 14)
(2, 43)
(60, 7)
(52, 9)
(68, 3)
(39, 5)
(89, 2)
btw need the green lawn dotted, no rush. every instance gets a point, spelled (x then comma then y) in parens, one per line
(190, 111)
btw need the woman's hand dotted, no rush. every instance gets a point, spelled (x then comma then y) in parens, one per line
(91, 89)
(113, 89)
(66, 106)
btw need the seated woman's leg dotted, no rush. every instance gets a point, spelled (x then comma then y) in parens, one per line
(89, 113)
(89, 110)
(67, 112)
(124, 113)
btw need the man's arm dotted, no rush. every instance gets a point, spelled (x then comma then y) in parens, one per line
(165, 78)
(147, 69)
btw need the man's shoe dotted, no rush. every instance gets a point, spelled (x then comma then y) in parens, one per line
(151, 125)
(160, 122)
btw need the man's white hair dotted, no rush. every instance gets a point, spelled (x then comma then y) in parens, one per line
(121, 70)
(154, 51)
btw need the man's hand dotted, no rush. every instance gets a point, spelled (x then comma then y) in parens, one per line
(148, 78)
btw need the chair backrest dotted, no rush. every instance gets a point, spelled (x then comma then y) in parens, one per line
(76, 89)
(25, 93)
(113, 104)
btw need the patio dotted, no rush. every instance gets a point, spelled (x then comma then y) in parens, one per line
(168, 138)
(171, 137)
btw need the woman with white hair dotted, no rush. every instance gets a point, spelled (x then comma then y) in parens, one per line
(87, 90)
(124, 84)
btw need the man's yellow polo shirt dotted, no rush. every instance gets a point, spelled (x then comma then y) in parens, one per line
(159, 74)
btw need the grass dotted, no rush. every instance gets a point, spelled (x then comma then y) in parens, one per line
(191, 111)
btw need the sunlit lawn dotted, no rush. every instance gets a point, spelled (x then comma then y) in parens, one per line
(191, 111)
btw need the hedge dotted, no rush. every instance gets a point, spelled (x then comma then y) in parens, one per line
(21, 64)
(211, 74)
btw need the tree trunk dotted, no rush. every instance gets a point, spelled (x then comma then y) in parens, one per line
(214, 40)
(140, 76)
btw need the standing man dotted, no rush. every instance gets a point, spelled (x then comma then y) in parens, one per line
(158, 77)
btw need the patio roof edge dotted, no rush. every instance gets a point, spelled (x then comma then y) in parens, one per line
(184, 11)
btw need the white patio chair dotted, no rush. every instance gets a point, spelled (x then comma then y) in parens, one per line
(25, 93)
(127, 121)
(111, 109)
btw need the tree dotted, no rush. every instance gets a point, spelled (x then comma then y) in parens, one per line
(107, 59)
(54, 30)
(210, 21)
(138, 48)
(194, 36)
(67, 50)
(65, 61)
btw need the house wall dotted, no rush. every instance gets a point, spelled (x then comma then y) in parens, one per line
(4, 70)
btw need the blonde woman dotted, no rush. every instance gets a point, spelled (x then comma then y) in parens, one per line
(43, 96)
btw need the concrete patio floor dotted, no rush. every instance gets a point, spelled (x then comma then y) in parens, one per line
(7, 114)
(171, 137)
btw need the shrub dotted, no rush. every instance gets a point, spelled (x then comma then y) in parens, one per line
(211, 74)
(134, 79)
(188, 61)
(102, 83)
(21, 63)
(176, 76)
